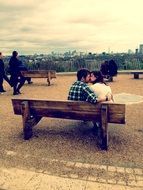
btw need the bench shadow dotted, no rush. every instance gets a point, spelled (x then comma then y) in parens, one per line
(76, 134)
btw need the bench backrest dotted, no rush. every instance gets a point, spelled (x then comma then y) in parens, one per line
(77, 110)
(39, 73)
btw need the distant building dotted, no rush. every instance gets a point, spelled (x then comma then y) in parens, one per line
(141, 49)
(136, 51)
(130, 51)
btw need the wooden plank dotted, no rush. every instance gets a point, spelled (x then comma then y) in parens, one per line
(29, 120)
(104, 127)
(116, 113)
(72, 109)
(49, 74)
(27, 127)
(39, 73)
(59, 109)
(36, 75)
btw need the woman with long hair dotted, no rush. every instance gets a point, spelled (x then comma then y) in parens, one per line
(99, 86)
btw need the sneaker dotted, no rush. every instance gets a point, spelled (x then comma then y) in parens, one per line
(1, 92)
(18, 91)
(15, 93)
(30, 82)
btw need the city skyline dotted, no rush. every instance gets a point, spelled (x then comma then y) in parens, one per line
(34, 26)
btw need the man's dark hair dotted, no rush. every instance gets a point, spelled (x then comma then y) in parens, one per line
(82, 73)
(14, 53)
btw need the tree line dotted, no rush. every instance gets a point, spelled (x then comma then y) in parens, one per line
(90, 61)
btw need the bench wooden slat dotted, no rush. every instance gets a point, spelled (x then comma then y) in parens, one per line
(50, 107)
(104, 127)
(49, 74)
(116, 113)
(33, 110)
(37, 75)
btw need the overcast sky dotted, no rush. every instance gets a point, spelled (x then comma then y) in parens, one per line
(42, 26)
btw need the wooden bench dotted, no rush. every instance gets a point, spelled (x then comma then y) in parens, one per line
(49, 74)
(136, 74)
(33, 110)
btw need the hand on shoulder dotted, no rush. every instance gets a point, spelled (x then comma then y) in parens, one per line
(108, 97)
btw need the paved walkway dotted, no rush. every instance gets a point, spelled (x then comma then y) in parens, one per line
(75, 176)
(127, 98)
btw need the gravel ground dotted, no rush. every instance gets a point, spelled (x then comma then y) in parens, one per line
(69, 140)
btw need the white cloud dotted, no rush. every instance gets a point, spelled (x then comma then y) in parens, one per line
(93, 25)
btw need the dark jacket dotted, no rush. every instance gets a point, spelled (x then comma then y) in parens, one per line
(2, 71)
(14, 64)
(113, 69)
(104, 68)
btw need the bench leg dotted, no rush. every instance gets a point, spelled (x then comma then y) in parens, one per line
(28, 120)
(136, 76)
(48, 81)
(104, 127)
(27, 131)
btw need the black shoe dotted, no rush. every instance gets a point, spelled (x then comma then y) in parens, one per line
(30, 82)
(15, 93)
(18, 91)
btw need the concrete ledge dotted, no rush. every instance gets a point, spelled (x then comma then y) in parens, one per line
(119, 72)
(66, 74)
